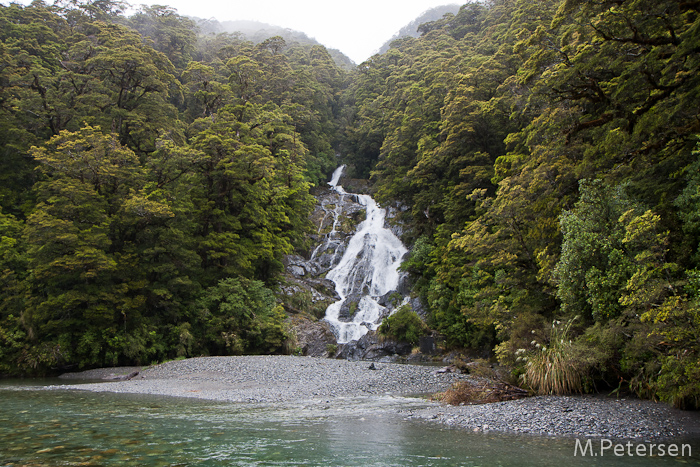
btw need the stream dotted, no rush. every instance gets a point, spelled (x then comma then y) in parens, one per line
(367, 271)
(66, 428)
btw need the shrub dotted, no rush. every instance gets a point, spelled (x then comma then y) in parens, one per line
(679, 381)
(555, 369)
(404, 325)
(302, 302)
(479, 392)
(242, 316)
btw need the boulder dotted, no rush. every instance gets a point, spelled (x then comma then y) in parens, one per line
(299, 267)
(314, 338)
(427, 345)
(374, 347)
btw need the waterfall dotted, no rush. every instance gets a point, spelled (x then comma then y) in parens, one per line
(367, 271)
(332, 237)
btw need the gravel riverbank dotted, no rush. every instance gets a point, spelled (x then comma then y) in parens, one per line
(268, 379)
(286, 379)
(570, 416)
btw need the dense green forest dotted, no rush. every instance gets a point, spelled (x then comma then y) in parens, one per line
(548, 152)
(151, 181)
(153, 177)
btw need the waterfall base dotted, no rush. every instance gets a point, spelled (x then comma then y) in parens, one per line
(349, 277)
(367, 273)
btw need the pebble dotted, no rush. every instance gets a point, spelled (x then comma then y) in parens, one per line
(290, 379)
(569, 416)
(277, 378)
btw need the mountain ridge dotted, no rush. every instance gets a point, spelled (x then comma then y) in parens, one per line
(258, 31)
(411, 29)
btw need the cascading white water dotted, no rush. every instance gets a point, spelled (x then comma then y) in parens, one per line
(336, 211)
(368, 269)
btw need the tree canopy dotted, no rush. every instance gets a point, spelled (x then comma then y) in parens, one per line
(546, 152)
(150, 176)
(544, 155)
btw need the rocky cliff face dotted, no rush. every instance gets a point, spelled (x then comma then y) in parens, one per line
(305, 274)
(306, 291)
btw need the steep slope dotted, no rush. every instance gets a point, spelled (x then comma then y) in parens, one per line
(257, 32)
(412, 28)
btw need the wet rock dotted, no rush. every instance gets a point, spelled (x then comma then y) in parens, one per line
(299, 267)
(336, 217)
(427, 345)
(305, 274)
(393, 222)
(373, 347)
(349, 307)
(296, 271)
(307, 296)
(446, 369)
(314, 338)
(417, 306)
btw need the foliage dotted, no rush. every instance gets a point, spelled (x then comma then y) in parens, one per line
(302, 301)
(403, 325)
(242, 315)
(598, 258)
(142, 165)
(544, 153)
(553, 368)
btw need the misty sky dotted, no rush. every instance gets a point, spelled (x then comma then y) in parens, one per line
(356, 27)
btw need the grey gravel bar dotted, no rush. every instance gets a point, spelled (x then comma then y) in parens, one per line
(298, 380)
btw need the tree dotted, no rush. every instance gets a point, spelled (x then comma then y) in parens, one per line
(137, 82)
(613, 256)
(127, 192)
(171, 34)
(253, 196)
(242, 315)
(85, 297)
(206, 91)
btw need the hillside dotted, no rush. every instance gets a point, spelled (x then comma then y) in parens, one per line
(412, 28)
(541, 158)
(257, 32)
(545, 154)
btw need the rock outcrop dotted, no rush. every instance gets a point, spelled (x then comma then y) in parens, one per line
(305, 288)
(307, 293)
(314, 338)
(374, 347)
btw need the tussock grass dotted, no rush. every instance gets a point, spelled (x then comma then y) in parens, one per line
(555, 369)
(551, 371)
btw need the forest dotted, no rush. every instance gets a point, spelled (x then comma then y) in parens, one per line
(546, 153)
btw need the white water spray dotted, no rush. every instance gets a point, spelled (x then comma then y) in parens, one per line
(335, 212)
(368, 269)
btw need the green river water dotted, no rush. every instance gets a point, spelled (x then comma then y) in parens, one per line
(65, 428)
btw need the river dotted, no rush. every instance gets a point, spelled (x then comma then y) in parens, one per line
(65, 428)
